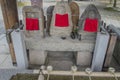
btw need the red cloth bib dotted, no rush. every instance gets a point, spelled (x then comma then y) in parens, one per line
(61, 20)
(32, 24)
(91, 25)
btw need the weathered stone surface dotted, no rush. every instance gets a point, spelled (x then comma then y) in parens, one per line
(84, 58)
(37, 57)
(57, 44)
(34, 12)
(58, 58)
(90, 12)
(61, 8)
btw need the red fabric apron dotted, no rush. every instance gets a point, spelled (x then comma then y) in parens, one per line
(91, 25)
(32, 24)
(61, 20)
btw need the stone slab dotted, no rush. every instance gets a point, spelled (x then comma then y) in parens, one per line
(37, 57)
(57, 44)
(84, 58)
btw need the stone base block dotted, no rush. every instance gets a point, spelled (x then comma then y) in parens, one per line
(37, 57)
(84, 58)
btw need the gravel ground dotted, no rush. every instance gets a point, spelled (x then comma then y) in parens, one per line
(6, 74)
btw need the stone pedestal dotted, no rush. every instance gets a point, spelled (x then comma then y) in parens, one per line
(38, 49)
(84, 58)
(37, 57)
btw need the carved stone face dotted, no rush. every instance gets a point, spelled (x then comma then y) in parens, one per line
(91, 15)
(32, 15)
(61, 10)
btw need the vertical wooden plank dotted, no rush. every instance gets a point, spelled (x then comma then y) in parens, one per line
(111, 46)
(10, 15)
(116, 53)
(8, 37)
(12, 53)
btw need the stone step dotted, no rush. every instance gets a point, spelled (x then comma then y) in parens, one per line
(60, 54)
(60, 59)
(58, 65)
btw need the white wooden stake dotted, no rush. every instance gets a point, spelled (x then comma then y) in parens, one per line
(20, 49)
(100, 51)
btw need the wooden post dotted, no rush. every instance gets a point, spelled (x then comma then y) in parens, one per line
(111, 46)
(10, 15)
(116, 53)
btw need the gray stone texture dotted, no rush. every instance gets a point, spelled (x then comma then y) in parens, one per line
(90, 12)
(61, 8)
(33, 12)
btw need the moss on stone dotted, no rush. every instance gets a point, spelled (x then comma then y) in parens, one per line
(25, 77)
(110, 9)
(21, 4)
(56, 77)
